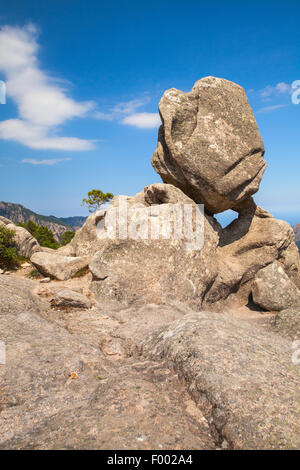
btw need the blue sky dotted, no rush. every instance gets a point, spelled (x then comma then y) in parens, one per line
(84, 79)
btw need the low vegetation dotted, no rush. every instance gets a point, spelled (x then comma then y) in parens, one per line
(35, 274)
(45, 236)
(42, 234)
(82, 272)
(9, 257)
(8, 251)
(67, 237)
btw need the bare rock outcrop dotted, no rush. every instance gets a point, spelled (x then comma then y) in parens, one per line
(211, 152)
(101, 374)
(86, 241)
(59, 391)
(58, 266)
(220, 273)
(236, 375)
(250, 243)
(287, 323)
(273, 290)
(209, 145)
(160, 270)
(68, 298)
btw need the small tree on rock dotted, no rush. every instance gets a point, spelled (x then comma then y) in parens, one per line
(96, 198)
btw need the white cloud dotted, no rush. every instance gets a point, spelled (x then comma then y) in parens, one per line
(279, 89)
(54, 161)
(119, 110)
(42, 103)
(143, 120)
(268, 109)
(36, 137)
(125, 113)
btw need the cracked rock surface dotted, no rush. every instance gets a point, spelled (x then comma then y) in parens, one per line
(59, 390)
(149, 377)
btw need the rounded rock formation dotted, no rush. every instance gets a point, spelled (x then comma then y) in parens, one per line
(209, 145)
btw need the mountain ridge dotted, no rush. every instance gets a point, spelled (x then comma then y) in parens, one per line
(19, 213)
(296, 229)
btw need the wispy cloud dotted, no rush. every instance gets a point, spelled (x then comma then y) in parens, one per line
(268, 109)
(143, 120)
(124, 108)
(272, 97)
(54, 161)
(125, 113)
(281, 88)
(42, 103)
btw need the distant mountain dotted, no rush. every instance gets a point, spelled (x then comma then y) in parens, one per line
(18, 213)
(297, 235)
(297, 232)
(76, 221)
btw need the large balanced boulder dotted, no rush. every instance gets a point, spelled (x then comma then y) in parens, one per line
(60, 267)
(273, 290)
(209, 145)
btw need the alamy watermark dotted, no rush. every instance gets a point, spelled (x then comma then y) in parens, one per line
(2, 353)
(296, 353)
(2, 92)
(157, 222)
(296, 93)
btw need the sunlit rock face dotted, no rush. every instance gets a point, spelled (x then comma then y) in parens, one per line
(209, 145)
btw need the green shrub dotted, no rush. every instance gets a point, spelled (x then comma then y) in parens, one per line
(34, 274)
(42, 234)
(82, 272)
(8, 250)
(66, 237)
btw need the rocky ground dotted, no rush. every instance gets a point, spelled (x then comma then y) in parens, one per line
(150, 377)
(68, 383)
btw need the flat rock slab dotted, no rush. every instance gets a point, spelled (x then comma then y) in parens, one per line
(129, 405)
(62, 389)
(69, 298)
(243, 378)
(60, 267)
